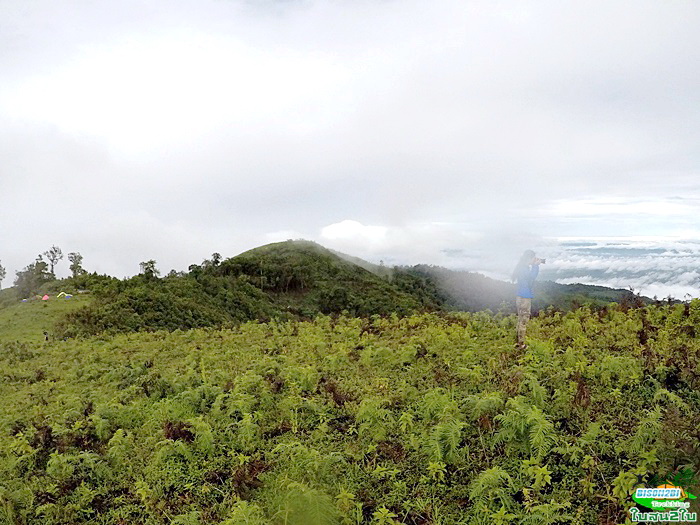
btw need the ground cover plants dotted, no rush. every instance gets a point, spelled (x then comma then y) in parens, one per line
(424, 419)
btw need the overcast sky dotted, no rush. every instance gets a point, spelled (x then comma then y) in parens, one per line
(398, 130)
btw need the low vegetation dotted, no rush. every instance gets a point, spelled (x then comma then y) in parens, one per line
(424, 419)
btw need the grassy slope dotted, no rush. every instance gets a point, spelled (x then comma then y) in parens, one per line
(424, 416)
(26, 322)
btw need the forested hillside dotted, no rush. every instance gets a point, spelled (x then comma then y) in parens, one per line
(306, 278)
(283, 281)
(427, 419)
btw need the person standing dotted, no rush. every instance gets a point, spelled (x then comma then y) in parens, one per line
(524, 275)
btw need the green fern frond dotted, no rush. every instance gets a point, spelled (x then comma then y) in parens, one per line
(485, 485)
(444, 441)
(673, 399)
(647, 432)
(486, 403)
(547, 514)
(298, 504)
(541, 434)
(437, 405)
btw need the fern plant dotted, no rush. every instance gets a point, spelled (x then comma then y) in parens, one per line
(492, 486)
(298, 504)
(444, 440)
(245, 513)
(525, 428)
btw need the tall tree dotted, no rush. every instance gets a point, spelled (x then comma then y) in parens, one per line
(76, 264)
(3, 274)
(30, 280)
(149, 270)
(53, 255)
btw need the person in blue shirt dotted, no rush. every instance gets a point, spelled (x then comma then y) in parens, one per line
(524, 275)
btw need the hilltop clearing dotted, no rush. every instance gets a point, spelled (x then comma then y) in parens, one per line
(27, 321)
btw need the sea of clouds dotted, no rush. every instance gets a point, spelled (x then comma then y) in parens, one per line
(652, 267)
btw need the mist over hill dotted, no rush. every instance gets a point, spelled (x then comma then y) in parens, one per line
(471, 291)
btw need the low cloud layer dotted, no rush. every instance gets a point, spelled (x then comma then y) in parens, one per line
(653, 267)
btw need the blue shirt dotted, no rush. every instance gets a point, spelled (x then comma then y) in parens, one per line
(526, 279)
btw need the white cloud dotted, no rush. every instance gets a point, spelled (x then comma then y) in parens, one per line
(651, 265)
(354, 231)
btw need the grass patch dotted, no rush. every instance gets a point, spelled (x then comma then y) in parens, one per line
(26, 322)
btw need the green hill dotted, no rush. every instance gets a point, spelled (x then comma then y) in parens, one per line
(284, 281)
(305, 278)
